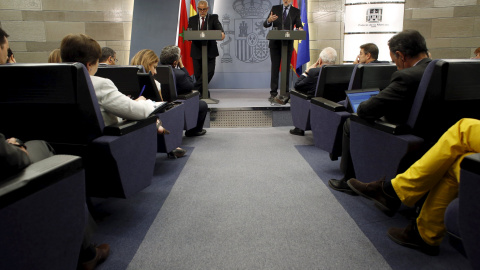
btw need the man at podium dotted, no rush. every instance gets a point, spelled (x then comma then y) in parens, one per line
(204, 21)
(282, 17)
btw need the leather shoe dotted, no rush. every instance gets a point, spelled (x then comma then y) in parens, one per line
(281, 100)
(195, 133)
(374, 191)
(101, 253)
(177, 153)
(297, 131)
(340, 185)
(410, 237)
(272, 97)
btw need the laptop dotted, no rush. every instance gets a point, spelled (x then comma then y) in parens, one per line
(355, 97)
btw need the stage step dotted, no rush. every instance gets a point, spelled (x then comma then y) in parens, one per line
(250, 117)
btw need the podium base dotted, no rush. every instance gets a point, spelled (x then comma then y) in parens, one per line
(211, 100)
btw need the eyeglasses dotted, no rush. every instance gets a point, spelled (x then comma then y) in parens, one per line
(202, 9)
(114, 59)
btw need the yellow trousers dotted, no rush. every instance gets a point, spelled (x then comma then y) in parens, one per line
(438, 172)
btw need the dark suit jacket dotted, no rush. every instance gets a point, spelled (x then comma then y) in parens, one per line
(292, 19)
(395, 101)
(212, 23)
(308, 84)
(183, 81)
(12, 159)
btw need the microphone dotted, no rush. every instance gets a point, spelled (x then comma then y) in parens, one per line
(207, 20)
(291, 26)
(281, 21)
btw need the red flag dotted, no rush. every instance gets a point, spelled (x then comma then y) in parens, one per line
(185, 45)
(293, 62)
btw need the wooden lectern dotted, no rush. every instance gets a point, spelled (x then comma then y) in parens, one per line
(204, 36)
(285, 36)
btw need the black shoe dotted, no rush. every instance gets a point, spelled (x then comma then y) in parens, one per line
(272, 97)
(410, 237)
(101, 253)
(374, 191)
(297, 131)
(177, 153)
(189, 133)
(340, 185)
(281, 100)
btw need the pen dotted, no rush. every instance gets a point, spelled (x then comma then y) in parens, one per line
(141, 92)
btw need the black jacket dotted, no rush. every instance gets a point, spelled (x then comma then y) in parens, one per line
(183, 81)
(212, 23)
(395, 101)
(293, 19)
(308, 84)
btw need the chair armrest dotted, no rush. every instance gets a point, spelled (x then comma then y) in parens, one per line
(37, 176)
(300, 94)
(328, 104)
(379, 124)
(126, 127)
(472, 163)
(191, 94)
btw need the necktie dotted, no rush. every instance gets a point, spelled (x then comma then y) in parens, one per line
(203, 23)
(285, 14)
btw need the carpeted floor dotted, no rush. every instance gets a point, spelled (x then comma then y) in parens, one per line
(253, 198)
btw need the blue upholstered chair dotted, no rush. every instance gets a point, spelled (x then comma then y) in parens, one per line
(42, 215)
(166, 77)
(124, 77)
(57, 103)
(328, 116)
(447, 92)
(462, 216)
(332, 82)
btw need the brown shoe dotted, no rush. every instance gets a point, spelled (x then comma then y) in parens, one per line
(102, 252)
(374, 191)
(281, 100)
(410, 237)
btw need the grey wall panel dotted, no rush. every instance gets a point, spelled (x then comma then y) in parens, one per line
(154, 25)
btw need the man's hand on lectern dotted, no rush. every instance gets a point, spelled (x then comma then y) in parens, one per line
(223, 35)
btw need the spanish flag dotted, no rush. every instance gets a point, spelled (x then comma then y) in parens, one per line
(303, 46)
(193, 8)
(293, 62)
(184, 45)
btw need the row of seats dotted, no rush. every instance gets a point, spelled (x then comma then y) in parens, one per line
(43, 207)
(449, 90)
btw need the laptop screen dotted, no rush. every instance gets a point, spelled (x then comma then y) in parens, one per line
(355, 97)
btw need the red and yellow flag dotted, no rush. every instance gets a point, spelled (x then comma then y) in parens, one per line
(185, 45)
(193, 8)
(293, 62)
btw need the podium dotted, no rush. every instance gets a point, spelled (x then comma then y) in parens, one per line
(204, 36)
(285, 36)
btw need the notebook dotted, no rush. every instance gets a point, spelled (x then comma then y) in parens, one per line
(355, 97)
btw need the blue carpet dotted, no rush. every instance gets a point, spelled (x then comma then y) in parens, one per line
(375, 224)
(127, 221)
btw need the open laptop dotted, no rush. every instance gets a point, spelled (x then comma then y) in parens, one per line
(355, 97)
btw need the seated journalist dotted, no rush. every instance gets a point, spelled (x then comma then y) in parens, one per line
(171, 55)
(307, 82)
(408, 50)
(437, 174)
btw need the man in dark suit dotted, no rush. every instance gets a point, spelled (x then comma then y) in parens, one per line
(307, 82)
(408, 50)
(204, 21)
(171, 55)
(282, 17)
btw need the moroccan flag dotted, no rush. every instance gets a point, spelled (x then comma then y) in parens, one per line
(184, 45)
(293, 62)
(193, 8)
(303, 55)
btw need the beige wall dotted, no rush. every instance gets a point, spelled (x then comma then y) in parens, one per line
(36, 27)
(451, 27)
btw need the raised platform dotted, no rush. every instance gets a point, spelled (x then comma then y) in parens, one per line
(246, 108)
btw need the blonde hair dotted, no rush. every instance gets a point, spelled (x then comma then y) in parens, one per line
(55, 57)
(145, 58)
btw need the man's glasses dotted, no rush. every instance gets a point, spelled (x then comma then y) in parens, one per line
(202, 9)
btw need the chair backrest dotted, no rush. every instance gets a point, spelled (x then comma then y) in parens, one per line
(166, 77)
(371, 76)
(124, 77)
(449, 90)
(333, 80)
(151, 91)
(52, 102)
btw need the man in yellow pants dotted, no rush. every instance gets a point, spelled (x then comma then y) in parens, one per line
(438, 173)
